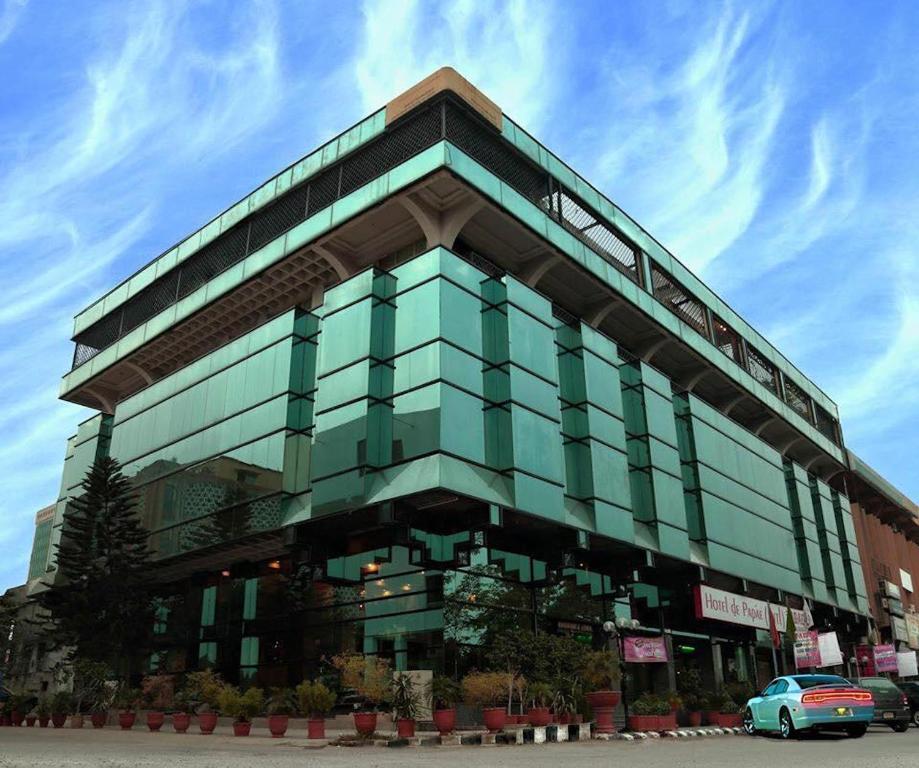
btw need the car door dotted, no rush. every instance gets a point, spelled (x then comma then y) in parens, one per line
(761, 707)
(772, 703)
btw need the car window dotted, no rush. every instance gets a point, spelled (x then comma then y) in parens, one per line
(877, 684)
(781, 686)
(811, 681)
(771, 688)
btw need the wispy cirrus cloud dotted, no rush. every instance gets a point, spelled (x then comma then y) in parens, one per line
(503, 48)
(151, 97)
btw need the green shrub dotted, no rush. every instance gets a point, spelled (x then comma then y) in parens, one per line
(540, 694)
(600, 670)
(405, 697)
(444, 692)
(649, 704)
(282, 701)
(315, 699)
(242, 707)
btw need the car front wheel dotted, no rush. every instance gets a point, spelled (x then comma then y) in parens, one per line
(786, 725)
(749, 725)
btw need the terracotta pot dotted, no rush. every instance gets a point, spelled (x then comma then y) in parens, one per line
(126, 720)
(76, 721)
(445, 720)
(181, 721)
(405, 728)
(564, 719)
(495, 718)
(694, 719)
(603, 703)
(155, 720)
(667, 722)
(732, 720)
(643, 722)
(315, 728)
(43, 721)
(207, 722)
(98, 719)
(277, 724)
(538, 716)
(365, 723)
(4, 720)
(577, 719)
(711, 716)
(30, 721)
(16, 718)
(241, 728)
(58, 719)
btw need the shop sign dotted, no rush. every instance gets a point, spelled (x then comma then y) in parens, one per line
(719, 605)
(828, 644)
(807, 649)
(644, 650)
(898, 629)
(906, 664)
(906, 580)
(912, 630)
(885, 658)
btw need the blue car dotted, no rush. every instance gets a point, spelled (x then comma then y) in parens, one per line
(797, 703)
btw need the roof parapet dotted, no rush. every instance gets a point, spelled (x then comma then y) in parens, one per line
(444, 79)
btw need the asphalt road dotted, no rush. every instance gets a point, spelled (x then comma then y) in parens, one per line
(110, 748)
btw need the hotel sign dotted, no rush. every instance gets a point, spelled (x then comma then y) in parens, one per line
(718, 605)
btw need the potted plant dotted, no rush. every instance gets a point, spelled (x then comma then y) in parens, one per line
(17, 704)
(316, 701)
(126, 700)
(43, 710)
(158, 692)
(567, 698)
(61, 706)
(203, 689)
(646, 711)
(88, 681)
(487, 690)
(601, 674)
(281, 705)
(675, 701)
(729, 713)
(241, 706)
(405, 700)
(370, 678)
(690, 688)
(181, 708)
(444, 693)
(540, 695)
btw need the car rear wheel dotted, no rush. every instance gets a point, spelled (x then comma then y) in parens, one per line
(899, 727)
(749, 726)
(916, 718)
(786, 725)
(857, 731)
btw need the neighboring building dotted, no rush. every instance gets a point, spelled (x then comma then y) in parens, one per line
(40, 561)
(887, 525)
(428, 379)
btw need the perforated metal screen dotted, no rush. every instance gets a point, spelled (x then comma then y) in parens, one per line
(678, 300)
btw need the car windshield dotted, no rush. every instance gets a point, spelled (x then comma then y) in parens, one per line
(812, 681)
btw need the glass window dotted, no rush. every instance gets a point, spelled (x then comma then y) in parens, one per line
(811, 681)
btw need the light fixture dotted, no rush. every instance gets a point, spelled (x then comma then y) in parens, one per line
(225, 573)
(386, 593)
(472, 598)
(275, 565)
(380, 582)
(406, 587)
(373, 567)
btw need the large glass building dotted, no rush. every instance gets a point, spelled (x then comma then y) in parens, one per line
(427, 382)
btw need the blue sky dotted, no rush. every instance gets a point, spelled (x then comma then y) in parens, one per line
(773, 147)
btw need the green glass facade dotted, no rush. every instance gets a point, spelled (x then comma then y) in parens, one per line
(431, 448)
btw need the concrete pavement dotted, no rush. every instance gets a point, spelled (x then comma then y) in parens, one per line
(111, 748)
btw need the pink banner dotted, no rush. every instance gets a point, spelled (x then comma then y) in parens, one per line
(807, 649)
(645, 650)
(885, 658)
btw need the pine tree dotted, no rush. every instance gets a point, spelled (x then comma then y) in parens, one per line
(100, 604)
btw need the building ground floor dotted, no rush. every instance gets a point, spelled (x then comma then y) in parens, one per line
(432, 588)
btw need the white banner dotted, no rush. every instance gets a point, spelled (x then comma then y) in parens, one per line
(720, 605)
(830, 655)
(906, 664)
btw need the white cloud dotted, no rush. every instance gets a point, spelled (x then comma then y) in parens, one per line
(9, 17)
(502, 48)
